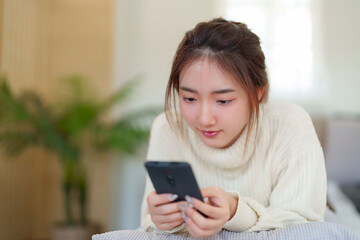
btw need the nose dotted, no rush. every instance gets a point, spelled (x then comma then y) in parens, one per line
(206, 117)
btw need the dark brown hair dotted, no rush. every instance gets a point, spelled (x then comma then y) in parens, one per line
(234, 48)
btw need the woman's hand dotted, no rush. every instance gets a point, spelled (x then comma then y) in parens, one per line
(165, 214)
(220, 208)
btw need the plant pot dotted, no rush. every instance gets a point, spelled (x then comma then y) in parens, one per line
(74, 232)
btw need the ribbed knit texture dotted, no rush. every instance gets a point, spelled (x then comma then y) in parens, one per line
(308, 231)
(279, 180)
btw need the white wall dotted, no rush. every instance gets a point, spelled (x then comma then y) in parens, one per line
(336, 61)
(147, 35)
(341, 41)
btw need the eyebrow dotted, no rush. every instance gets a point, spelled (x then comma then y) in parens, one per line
(220, 91)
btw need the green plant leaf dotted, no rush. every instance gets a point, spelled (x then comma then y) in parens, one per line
(14, 143)
(5, 87)
(140, 117)
(27, 120)
(11, 109)
(122, 137)
(121, 94)
(42, 122)
(76, 119)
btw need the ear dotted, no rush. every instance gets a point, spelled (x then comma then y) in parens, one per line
(260, 93)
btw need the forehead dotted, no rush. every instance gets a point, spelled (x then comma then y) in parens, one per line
(207, 71)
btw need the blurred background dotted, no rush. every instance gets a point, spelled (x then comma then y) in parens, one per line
(311, 50)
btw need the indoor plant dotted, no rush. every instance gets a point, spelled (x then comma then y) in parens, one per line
(79, 120)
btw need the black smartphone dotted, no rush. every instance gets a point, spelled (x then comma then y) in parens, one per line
(173, 177)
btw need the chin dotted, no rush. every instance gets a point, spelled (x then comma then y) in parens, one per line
(213, 144)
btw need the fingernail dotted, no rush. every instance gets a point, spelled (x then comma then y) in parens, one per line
(183, 215)
(182, 208)
(173, 197)
(189, 201)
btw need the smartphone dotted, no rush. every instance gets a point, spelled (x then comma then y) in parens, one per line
(173, 177)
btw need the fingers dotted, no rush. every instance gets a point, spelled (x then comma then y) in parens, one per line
(162, 204)
(217, 211)
(165, 209)
(164, 213)
(198, 226)
(155, 199)
(168, 218)
(167, 222)
(208, 210)
(210, 191)
(167, 214)
(200, 233)
(168, 226)
(213, 194)
(200, 221)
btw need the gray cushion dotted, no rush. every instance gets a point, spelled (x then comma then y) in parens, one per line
(309, 231)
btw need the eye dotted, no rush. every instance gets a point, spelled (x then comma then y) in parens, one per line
(223, 102)
(189, 100)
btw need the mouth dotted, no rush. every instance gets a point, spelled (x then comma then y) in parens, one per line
(210, 133)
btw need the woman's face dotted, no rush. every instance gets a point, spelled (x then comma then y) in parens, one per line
(213, 104)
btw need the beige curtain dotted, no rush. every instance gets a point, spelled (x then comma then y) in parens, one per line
(42, 41)
(1, 27)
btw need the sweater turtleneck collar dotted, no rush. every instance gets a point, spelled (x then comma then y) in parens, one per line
(230, 157)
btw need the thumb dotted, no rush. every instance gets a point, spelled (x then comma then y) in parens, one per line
(215, 195)
(208, 192)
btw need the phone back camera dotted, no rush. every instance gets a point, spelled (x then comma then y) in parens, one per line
(170, 179)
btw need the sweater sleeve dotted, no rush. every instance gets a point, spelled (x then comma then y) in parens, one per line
(163, 146)
(299, 196)
(298, 182)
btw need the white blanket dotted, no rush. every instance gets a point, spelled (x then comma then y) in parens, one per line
(308, 231)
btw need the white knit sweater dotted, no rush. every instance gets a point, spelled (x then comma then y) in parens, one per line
(280, 180)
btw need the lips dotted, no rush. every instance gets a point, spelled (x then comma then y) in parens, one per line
(210, 133)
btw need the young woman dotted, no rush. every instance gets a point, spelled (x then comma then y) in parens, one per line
(259, 165)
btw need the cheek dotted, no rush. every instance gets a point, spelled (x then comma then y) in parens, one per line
(242, 116)
(235, 115)
(187, 111)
